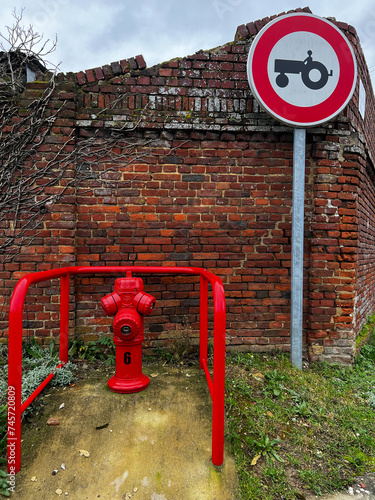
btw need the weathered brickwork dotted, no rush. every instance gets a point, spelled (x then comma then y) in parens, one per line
(197, 174)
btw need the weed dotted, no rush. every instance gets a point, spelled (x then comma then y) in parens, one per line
(36, 352)
(244, 359)
(4, 485)
(102, 349)
(164, 355)
(313, 480)
(357, 459)
(302, 409)
(266, 447)
(274, 383)
(367, 329)
(277, 474)
(183, 349)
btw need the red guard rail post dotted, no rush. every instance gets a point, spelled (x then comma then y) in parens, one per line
(216, 384)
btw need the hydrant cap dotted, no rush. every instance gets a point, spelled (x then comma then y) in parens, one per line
(144, 303)
(127, 324)
(111, 303)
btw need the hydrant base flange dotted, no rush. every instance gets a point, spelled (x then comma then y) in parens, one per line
(128, 386)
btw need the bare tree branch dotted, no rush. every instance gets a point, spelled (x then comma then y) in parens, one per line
(26, 178)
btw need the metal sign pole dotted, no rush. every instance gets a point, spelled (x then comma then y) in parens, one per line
(278, 50)
(298, 210)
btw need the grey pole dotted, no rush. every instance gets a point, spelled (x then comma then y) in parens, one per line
(298, 211)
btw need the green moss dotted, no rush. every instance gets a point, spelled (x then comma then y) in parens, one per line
(365, 333)
(216, 476)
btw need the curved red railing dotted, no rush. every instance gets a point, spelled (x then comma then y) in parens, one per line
(216, 384)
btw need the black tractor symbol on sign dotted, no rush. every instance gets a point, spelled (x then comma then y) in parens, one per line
(284, 66)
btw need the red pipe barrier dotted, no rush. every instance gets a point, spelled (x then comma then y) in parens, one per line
(37, 391)
(216, 385)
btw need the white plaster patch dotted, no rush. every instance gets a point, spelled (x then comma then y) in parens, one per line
(119, 481)
(145, 481)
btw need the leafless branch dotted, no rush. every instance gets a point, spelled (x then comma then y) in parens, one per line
(31, 183)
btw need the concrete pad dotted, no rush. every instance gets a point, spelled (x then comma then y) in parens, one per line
(154, 445)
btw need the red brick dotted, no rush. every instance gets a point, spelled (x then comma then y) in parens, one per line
(90, 76)
(140, 62)
(81, 78)
(242, 32)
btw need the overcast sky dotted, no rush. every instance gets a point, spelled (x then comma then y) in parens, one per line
(92, 33)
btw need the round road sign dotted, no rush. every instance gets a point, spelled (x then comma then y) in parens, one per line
(302, 69)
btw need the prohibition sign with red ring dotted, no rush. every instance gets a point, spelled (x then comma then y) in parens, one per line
(271, 99)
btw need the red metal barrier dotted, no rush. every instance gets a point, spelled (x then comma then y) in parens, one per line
(215, 384)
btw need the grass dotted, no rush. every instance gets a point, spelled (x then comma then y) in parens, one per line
(296, 432)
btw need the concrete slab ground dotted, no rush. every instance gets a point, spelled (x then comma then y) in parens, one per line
(151, 445)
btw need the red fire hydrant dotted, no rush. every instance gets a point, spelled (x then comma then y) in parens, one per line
(130, 304)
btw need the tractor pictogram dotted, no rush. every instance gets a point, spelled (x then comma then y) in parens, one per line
(283, 66)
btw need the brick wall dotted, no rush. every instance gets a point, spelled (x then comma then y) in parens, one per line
(177, 165)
